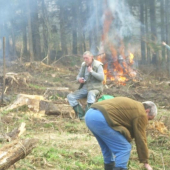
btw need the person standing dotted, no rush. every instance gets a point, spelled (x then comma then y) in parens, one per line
(90, 77)
(114, 123)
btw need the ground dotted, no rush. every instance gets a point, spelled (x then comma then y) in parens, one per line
(67, 144)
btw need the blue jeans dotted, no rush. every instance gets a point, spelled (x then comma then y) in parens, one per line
(82, 93)
(113, 144)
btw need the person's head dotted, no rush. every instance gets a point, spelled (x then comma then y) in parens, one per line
(88, 58)
(151, 109)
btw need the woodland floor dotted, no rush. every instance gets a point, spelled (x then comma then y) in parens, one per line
(67, 144)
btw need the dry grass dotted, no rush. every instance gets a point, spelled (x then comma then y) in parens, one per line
(67, 144)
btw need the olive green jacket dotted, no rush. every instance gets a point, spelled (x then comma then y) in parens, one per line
(129, 118)
(92, 82)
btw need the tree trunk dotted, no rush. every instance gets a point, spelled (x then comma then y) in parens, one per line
(142, 30)
(13, 42)
(8, 47)
(45, 30)
(74, 27)
(167, 20)
(153, 29)
(62, 29)
(30, 31)
(147, 33)
(35, 30)
(13, 152)
(93, 29)
(162, 5)
(80, 29)
(24, 37)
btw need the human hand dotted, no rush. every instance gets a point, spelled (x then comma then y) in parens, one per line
(81, 80)
(89, 69)
(147, 166)
(163, 43)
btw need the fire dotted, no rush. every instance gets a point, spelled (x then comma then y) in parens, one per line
(117, 66)
(131, 56)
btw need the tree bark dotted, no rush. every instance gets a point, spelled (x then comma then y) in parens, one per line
(13, 152)
(24, 37)
(80, 28)
(30, 31)
(147, 33)
(162, 5)
(35, 30)
(74, 27)
(62, 28)
(13, 42)
(167, 20)
(45, 29)
(142, 30)
(153, 29)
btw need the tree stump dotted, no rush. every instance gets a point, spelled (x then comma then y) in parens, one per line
(32, 101)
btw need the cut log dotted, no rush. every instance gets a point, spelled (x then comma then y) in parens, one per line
(60, 109)
(13, 152)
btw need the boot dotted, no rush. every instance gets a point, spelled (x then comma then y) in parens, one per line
(88, 106)
(79, 111)
(109, 166)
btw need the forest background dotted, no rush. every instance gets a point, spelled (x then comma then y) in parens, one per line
(35, 29)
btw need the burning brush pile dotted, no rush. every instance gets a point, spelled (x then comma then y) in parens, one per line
(118, 67)
(117, 57)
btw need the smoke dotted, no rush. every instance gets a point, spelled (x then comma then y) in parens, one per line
(123, 23)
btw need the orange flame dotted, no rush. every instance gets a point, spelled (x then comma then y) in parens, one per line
(117, 66)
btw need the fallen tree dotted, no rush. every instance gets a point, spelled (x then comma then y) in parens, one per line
(13, 152)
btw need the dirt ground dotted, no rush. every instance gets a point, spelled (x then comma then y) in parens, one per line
(147, 85)
(35, 78)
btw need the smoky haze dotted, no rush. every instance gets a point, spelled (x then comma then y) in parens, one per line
(124, 25)
(124, 22)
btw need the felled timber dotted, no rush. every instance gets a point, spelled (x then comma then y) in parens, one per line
(13, 152)
(59, 109)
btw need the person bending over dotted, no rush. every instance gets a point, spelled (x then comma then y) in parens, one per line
(114, 123)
